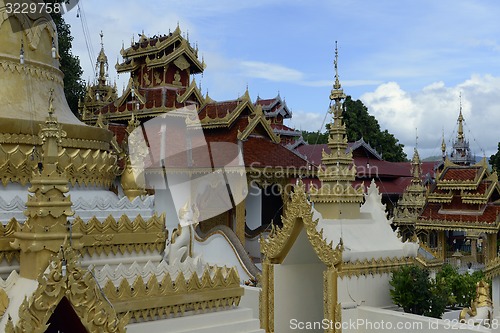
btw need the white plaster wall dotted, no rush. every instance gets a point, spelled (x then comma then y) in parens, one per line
(251, 300)
(170, 200)
(372, 290)
(380, 320)
(495, 295)
(219, 251)
(113, 260)
(298, 291)
(253, 205)
(164, 204)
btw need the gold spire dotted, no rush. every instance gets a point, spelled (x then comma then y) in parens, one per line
(48, 208)
(416, 167)
(460, 122)
(337, 170)
(337, 93)
(102, 64)
(412, 201)
(461, 153)
(443, 146)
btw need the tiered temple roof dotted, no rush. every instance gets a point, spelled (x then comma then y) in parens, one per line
(101, 92)
(413, 200)
(160, 69)
(337, 171)
(463, 197)
(257, 126)
(461, 153)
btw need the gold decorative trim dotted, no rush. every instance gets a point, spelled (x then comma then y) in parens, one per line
(433, 224)
(190, 91)
(66, 279)
(216, 288)
(332, 309)
(373, 266)
(258, 118)
(297, 215)
(266, 297)
(122, 236)
(38, 71)
(227, 120)
(492, 268)
(109, 236)
(83, 166)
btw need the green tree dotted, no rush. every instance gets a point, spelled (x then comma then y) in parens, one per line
(440, 291)
(416, 293)
(462, 286)
(360, 124)
(495, 160)
(411, 289)
(313, 138)
(74, 86)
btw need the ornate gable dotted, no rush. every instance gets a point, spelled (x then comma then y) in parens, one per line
(64, 278)
(298, 215)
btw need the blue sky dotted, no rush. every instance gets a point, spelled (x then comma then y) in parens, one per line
(408, 61)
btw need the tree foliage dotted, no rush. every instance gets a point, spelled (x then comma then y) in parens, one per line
(360, 124)
(416, 293)
(74, 86)
(495, 160)
(462, 286)
(315, 137)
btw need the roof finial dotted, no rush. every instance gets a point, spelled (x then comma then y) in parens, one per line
(335, 62)
(416, 167)
(337, 94)
(443, 146)
(416, 137)
(460, 122)
(102, 43)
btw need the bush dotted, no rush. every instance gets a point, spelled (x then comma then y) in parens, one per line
(417, 294)
(462, 287)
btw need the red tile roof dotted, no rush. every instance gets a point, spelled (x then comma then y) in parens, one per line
(265, 102)
(218, 109)
(461, 173)
(282, 127)
(261, 152)
(218, 148)
(431, 212)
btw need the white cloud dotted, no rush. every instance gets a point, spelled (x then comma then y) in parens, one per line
(308, 121)
(272, 72)
(435, 108)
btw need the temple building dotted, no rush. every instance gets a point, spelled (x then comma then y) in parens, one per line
(392, 178)
(333, 257)
(276, 110)
(161, 209)
(84, 246)
(161, 70)
(412, 201)
(460, 208)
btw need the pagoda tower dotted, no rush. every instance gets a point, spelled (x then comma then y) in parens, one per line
(29, 71)
(101, 92)
(48, 208)
(337, 198)
(461, 153)
(413, 200)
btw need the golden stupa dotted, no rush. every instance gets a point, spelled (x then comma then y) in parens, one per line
(30, 76)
